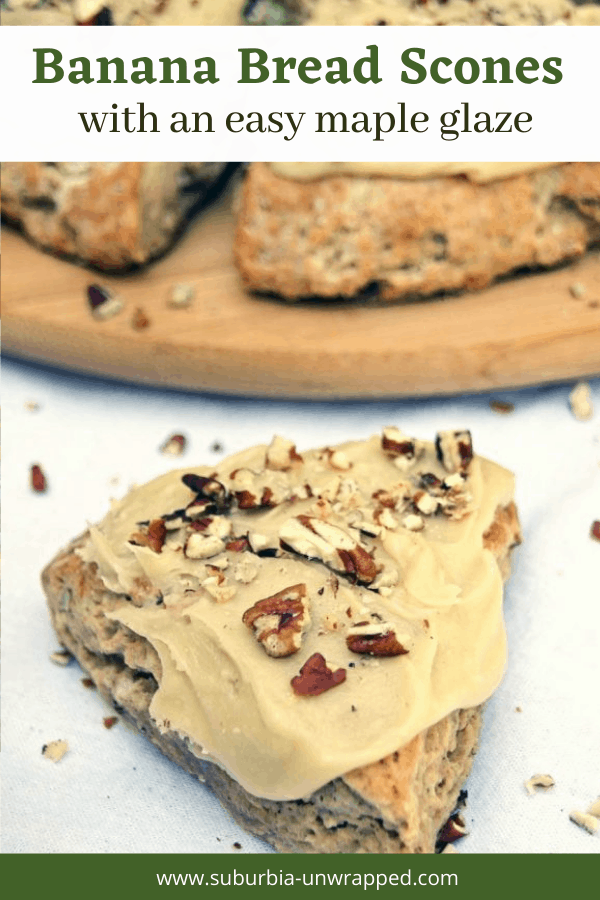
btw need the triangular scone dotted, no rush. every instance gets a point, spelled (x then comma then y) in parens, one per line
(113, 215)
(311, 634)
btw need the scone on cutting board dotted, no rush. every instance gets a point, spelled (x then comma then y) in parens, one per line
(396, 231)
(301, 12)
(311, 634)
(109, 214)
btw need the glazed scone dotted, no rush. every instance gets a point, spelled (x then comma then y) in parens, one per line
(312, 634)
(404, 230)
(111, 215)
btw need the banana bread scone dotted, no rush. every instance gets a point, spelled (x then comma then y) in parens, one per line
(409, 229)
(112, 215)
(311, 634)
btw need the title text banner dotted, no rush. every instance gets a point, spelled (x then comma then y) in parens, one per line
(457, 94)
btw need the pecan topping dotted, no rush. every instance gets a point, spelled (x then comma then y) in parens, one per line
(153, 537)
(402, 449)
(239, 544)
(382, 643)
(321, 540)
(454, 449)
(38, 479)
(595, 530)
(359, 563)
(207, 537)
(425, 503)
(282, 455)
(258, 490)
(337, 459)
(315, 677)
(278, 622)
(248, 500)
(207, 489)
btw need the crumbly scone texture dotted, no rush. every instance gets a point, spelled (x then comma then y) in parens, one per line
(110, 215)
(343, 235)
(395, 805)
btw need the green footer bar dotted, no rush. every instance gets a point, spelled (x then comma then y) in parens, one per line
(111, 877)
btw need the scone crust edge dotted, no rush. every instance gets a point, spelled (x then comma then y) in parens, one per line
(342, 235)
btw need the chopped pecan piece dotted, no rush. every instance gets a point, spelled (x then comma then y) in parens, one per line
(316, 677)
(278, 622)
(153, 537)
(207, 489)
(38, 479)
(425, 503)
(584, 820)
(360, 563)
(413, 523)
(399, 447)
(454, 829)
(175, 520)
(198, 508)
(102, 302)
(375, 643)
(542, 781)
(61, 657)
(332, 545)
(253, 490)
(580, 400)
(595, 530)
(181, 296)
(454, 449)
(55, 750)
(282, 455)
(174, 445)
(337, 459)
(502, 406)
(207, 537)
(239, 544)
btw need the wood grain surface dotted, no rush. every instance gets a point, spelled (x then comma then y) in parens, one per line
(525, 330)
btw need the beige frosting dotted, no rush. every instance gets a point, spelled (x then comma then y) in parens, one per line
(479, 172)
(437, 588)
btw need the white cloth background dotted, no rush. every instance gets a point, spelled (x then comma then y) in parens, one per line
(113, 792)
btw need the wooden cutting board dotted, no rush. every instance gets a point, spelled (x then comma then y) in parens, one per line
(523, 331)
